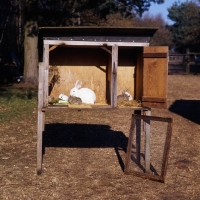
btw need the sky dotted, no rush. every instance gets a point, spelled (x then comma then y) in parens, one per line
(162, 9)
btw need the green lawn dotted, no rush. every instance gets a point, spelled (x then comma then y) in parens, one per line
(17, 103)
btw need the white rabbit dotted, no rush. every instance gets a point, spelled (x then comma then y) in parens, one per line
(87, 95)
(130, 98)
(63, 97)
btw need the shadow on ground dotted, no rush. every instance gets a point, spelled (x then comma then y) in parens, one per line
(88, 136)
(189, 109)
(84, 136)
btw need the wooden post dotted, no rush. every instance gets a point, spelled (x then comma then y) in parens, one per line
(166, 149)
(108, 83)
(129, 147)
(42, 102)
(138, 139)
(41, 118)
(114, 76)
(46, 74)
(147, 142)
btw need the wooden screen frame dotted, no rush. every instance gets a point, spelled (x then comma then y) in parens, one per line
(146, 174)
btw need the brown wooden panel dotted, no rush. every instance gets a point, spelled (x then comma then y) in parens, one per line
(155, 72)
(139, 75)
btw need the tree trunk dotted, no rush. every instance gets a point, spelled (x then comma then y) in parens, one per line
(31, 53)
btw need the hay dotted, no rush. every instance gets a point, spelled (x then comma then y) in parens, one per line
(132, 103)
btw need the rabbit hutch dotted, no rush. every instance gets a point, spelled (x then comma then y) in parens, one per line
(107, 61)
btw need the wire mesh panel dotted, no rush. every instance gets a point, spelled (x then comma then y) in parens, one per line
(148, 147)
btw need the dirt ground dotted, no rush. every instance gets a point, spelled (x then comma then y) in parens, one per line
(84, 153)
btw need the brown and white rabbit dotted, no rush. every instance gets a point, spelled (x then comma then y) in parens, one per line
(123, 97)
(74, 100)
(130, 98)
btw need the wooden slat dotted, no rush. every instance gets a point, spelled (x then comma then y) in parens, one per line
(155, 104)
(145, 176)
(154, 99)
(155, 55)
(46, 74)
(85, 43)
(94, 107)
(108, 84)
(154, 118)
(107, 50)
(40, 86)
(53, 47)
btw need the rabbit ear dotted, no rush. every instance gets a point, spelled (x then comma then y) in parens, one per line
(78, 84)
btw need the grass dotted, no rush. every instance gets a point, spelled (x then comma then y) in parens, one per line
(17, 103)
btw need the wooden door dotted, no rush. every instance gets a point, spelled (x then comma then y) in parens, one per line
(155, 72)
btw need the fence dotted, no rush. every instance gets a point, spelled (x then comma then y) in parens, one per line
(188, 63)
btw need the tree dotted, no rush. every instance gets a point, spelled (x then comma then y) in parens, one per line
(67, 13)
(8, 30)
(185, 30)
(30, 42)
(162, 37)
(90, 12)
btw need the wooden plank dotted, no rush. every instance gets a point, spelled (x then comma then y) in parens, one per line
(147, 140)
(154, 99)
(39, 141)
(80, 106)
(40, 86)
(107, 50)
(155, 55)
(114, 76)
(154, 104)
(154, 118)
(139, 75)
(86, 43)
(138, 140)
(46, 74)
(94, 107)
(40, 122)
(147, 145)
(108, 80)
(53, 47)
(146, 176)
(129, 147)
(166, 149)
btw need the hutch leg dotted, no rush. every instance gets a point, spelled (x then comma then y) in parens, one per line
(138, 140)
(138, 136)
(129, 147)
(40, 129)
(147, 143)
